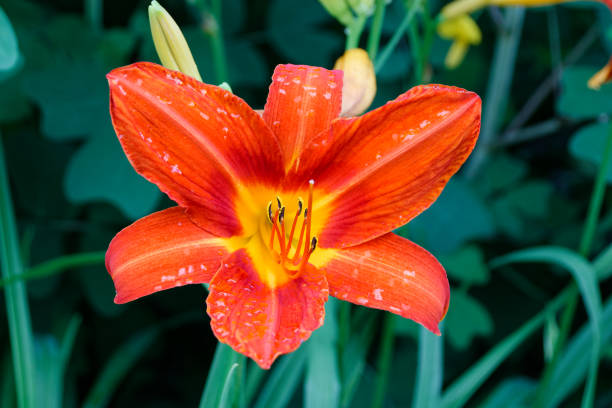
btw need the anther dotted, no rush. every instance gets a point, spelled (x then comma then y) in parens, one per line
(281, 215)
(306, 213)
(270, 212)
(300, 205)
(278, 202)
(313, 244)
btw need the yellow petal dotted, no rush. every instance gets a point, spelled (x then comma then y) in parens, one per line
(170, 44)
(359, 81)
(460, 28)
(456, 54)
(601, 77)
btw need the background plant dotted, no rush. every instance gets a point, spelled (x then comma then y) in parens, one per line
(524, 230)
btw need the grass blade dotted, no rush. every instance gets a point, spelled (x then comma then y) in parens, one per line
(227, 386)
(586, 278)
(118, 366)
(217, 380)
(511, 393)
(283, 381)
(18, 311)
(354, 360)
(430, 370)
(322, 384)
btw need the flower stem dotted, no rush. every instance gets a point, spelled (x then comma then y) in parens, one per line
(375, 31)
(215, 30)
(397, 35)
(384, 360)
(498, 87)
(18, 312)
(354, 31)
(588, 234)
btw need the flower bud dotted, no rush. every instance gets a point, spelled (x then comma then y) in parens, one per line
(359, 86)
(170, 44)
(464, 32)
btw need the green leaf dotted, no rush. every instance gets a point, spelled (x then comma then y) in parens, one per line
(577, 101)
(297, 31)
(219, 380)
(586, 279)
(430, 370)
(118, 366)
(283, 381)
(467, 265)
(499, 173)
(588, 143)
(9, 50)
(511, 393)
(456, 217)
(100, 171)
(322, 384)
(466, 319)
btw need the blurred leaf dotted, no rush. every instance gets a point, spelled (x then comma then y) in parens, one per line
(322, 384)
(577, 101)
(283, 381)
(297, 30)
(99, 291)
(430, 370)
(219, 378)
(466, 319)
(551, 335)
(354, 360)
(14, 105)
(456, 217)
(118, 366)
(511, 393)
(397, 66)
(467, 265)
(100, 171)
(499, 173)
(9, 50)
(588, 143)
(531, 199)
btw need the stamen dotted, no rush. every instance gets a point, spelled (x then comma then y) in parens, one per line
(309, 209)
(281, 237)
(270, 212)
(278, 202)
(299, 211)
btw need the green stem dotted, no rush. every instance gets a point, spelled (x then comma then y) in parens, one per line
(375, 31)
(18, 312)
(416, 48)
(588, 234)
(397, 35)
(498, 87)
(217, 44)
(384, 361)
(56, 266)
(354, 31)
(93, 14)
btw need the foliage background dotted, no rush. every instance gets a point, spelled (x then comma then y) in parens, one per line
(73, 189)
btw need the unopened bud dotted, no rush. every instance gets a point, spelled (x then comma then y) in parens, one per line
(170, 44)
(464, 32)
(359, 80)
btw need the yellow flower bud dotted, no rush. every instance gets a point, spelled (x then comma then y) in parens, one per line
(464, 31)
(359, 86)
(601, 77)
(170, 44)
(338, 9)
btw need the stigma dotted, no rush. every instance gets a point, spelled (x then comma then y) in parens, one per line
(292, 259)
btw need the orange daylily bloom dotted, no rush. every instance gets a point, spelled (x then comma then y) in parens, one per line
(276, 211)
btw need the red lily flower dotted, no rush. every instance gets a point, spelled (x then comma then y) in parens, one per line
(278, 211)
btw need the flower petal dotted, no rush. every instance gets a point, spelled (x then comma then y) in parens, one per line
(302, 102)
(197, 142)
(395, 162)
(261, 321)
(394, 274)
(162, 251)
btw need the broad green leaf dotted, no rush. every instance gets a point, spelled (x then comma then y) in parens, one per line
(220, 378)
(456, 217)
(322, 383)
(430, 370)
(532, 198)
(466, 319)
(100, 171)
(297, 30)
(511, 393)
(588, 143)
(9, 50)
(118, 366)
(577, 101)
(283, 381)
(500, 173)
(467, 265)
